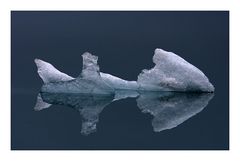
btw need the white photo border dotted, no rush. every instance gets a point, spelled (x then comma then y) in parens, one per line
(187, 155)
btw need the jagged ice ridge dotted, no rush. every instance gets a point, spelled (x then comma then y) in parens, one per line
(170, 73)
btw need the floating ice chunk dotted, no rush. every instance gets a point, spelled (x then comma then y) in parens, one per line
(173, 73)
(92, 90)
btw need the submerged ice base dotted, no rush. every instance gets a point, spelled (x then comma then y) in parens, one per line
(170, 73)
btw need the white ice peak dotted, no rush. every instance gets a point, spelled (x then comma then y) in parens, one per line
(173, 73)
(170, 73)
(49, 73)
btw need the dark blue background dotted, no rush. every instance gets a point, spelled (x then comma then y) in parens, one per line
(125, 43)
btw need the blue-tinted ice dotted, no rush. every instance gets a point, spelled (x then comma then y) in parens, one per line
(170, 73)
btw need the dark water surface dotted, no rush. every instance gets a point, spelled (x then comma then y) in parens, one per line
(124, 43)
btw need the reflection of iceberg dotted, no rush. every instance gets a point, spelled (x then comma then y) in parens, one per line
(171, 109)
(171, 73)
(168, 108)
(89, 106)
(40, 104)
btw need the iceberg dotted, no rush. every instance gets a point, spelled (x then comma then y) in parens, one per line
(170, 73)
(172, 91)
